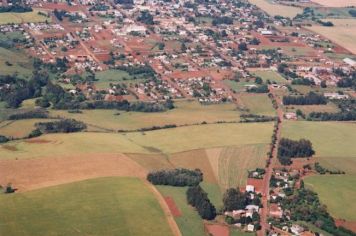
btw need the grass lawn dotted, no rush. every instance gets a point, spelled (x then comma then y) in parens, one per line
(238, 86)
(259, 104)
(235, 232)
(338, 192)
(186, 112)
(104, 206)
(17, 18)
(269, 75)
(330, 139)
(189, 222)
(274, 9)
(19, 62)
(112, 76)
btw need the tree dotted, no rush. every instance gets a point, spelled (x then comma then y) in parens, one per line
(233, 199)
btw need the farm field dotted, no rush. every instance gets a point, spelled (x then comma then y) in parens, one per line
(336, 192)
(104, 206)
(189, 222)
(330, 139)
(332, 3)
(258, 104)
(159, 141)
(18, 128)
(343, 32)
(16, 18)
(269, 75)
(186, 112)
(277, 9)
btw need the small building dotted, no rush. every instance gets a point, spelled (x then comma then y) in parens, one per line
(250, 188)
(290, 115)
(336, 96)
(297, 229)
(250, 227)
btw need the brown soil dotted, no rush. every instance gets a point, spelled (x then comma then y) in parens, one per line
(217, 230)
(351, 225)
(172, 206)
(257, 183)
(31, 174)
(10, 148)
(37, 141)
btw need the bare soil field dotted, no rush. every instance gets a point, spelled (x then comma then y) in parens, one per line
(172, 206)
(46, 172)
(217, 230)
(335, 3)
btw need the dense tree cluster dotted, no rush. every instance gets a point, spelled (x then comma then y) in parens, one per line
(146, 18)
(288, 149)
(61, 126)
(176, 177)
(31, 114)
(310, 99)
(222, 20)
(15, 8)
(59, 14)
(234, 199)
(256, 118)
(138, 70)
(198, 198)
(326, 116)
(3, 139)
(302, 81)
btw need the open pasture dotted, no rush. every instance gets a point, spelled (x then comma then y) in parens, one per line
(330, 107)
(275, 9)
(26, 17)
(12, 61)
(338, 192)
(105, 78)
(104, 206)
(258, 104)
(329, 139)
(186, 112)
(343, 32)
(18, 128)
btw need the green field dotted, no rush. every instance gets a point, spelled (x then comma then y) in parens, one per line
(306, 109)
(17, 18)
(338, 192)
(19, 62)
(105, 206)
(189, 222)
(330, 139)
(269, 75)
(160, 141)
(238, 86)
(186, 112)
(258, 104)
(105, 78)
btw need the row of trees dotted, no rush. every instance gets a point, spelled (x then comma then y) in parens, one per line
(288, 149)
(309, 99)
(176, 177)
(32, 114)
(326, 116)
(198, 198)
(61, 126)
(258, 89)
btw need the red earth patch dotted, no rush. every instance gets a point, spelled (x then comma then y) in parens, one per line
(172, 206)
(217, 230)
(351, 225)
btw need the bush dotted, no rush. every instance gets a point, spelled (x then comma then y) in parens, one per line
(29, 115)
(3, 139)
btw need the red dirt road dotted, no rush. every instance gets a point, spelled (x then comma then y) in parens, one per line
(172, 206)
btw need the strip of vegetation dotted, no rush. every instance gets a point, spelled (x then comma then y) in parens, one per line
(177, 177)
(288, 149)
(61, 126)
(258, 89)
(321, 170)
(198, 198)
(246, 118)
(32, 114)
(309, 99)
